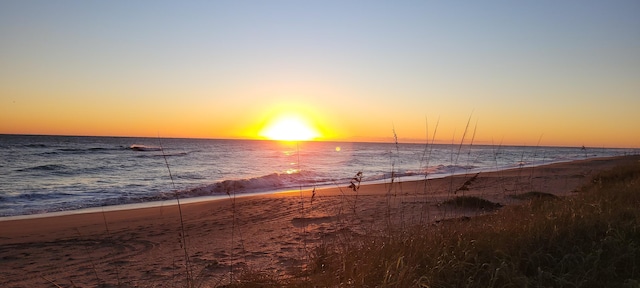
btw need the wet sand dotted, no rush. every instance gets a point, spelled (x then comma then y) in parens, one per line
(273, 233)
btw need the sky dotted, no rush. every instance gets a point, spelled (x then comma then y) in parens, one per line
(556, 73)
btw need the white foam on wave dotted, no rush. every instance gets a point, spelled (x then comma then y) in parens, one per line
(270, 182)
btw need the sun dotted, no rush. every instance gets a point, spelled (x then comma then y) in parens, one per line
(289, 128)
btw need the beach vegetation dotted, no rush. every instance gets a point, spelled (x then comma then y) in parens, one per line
(586, 240)
(471, 202)
(182, 236)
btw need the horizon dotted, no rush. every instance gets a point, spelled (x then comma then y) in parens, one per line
(547, 73)
(390, 141)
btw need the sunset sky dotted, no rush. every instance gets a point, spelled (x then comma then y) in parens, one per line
(544, 72)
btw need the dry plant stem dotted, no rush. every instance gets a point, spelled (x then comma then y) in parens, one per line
(231, 193)
(104, 218)
(495, 157)
(50, 281)
(313, 196)
(183, 242)
(455, 163)
(399, 183)
(428, 147)
(354, 185)
(93, 264)
(106, 226)
(391, 186)
(534, 158)
(473, 137)
(344, 199)
(302, 214)
(233, 229)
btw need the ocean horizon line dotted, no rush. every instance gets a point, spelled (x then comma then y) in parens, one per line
(374, 140)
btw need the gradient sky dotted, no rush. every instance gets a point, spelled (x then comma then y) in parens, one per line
(545, 72)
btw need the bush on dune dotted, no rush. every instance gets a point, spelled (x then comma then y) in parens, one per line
(471, 202)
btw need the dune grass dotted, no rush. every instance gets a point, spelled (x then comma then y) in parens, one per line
(591, 239)
(472, 202)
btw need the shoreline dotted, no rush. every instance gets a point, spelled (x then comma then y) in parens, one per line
(269, 232)
(217, 200)
(221, 197)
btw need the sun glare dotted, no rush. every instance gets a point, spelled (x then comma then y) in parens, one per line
(289, 128)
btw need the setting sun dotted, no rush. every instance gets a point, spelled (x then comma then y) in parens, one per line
(289, 128)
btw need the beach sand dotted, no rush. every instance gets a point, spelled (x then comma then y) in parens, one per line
(272, 233)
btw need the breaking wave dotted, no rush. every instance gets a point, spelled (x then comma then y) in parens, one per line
(271, 182)
(49, 167)
(144, 148)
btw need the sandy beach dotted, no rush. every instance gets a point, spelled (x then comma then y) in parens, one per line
(273, 233)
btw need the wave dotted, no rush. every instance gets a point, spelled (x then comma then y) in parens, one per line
(271, 182)
(144, 148)
(385, 176)
(101, 149)
(190, 176)
(35, 146)
(92, 149)
(49, 167)
(305, 179)
(58, 170)
(163, 155)
(80, 151)
(449, 169)
(42, 196)
(442, 170)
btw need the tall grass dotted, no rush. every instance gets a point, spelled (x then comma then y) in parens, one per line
(426, 157)
(548, 242)
(302, 208)
(588, 240)
(182, 237)
(455, 157)
(392, 191)
(231, 193)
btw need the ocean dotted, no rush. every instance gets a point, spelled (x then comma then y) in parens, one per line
(43, 174)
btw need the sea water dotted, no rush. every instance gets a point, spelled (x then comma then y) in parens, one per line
(41, 174)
